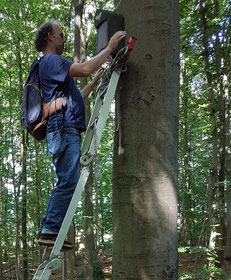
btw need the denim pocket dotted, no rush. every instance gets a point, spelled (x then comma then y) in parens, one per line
(55, 143)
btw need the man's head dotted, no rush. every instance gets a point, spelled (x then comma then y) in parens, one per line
(50, 38)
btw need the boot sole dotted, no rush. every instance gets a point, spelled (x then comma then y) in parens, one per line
(49, 243)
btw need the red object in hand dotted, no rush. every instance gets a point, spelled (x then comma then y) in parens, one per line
(131, 43)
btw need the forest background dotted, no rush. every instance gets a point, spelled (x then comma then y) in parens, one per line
(26, 173)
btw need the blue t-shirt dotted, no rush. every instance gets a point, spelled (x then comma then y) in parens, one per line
(54, 80)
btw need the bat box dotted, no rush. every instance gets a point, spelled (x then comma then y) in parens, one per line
(107, 23)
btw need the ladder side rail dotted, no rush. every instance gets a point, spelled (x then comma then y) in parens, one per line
(98, 130)
(90, 131)
(107, 105)
(95, 113)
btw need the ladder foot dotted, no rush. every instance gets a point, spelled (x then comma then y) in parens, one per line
(45, 270)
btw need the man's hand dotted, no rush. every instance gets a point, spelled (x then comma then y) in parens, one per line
(89, 87)
(115, 39)
(97, 76)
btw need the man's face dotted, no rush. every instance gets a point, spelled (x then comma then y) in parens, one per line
(58, 39)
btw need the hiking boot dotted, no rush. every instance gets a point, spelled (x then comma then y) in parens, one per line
(49, 240)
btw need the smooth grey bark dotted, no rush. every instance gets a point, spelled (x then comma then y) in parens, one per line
(146, 141)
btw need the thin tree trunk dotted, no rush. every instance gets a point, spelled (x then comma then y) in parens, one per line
(1, 188)
(145, 160)
(186, 200)
(222, 101)
(80, 39)
(80, 56)
(1, 220)
(17, 212)
(214, 160)
(227, 253)
(96, 215)
(24, 216)
(221, 172)
(24, 183)
(38, 185)
(89, 234)
(69, 257)
(15, 185)
(1, 260)
(38, 189)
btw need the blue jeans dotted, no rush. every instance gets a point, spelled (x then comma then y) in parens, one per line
(64, 146)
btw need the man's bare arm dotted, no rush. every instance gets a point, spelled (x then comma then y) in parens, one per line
(90, 66)
(90, 86)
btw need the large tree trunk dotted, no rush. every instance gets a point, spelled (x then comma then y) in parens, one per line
(145, 158)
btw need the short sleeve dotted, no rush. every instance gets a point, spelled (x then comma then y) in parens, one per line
(55, 68)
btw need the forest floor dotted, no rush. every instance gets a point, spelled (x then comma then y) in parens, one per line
(196, 266)
(191, 266)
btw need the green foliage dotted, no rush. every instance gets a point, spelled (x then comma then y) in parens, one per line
(206, 273)
(190, 250)
(196, 135)
(206, 264)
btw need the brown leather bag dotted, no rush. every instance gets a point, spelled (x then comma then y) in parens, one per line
(39, 131)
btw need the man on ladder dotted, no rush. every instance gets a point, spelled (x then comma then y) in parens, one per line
(67, 122)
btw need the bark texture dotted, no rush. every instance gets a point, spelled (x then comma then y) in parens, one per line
(146, 140)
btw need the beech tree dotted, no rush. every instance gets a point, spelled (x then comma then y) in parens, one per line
(145, 153)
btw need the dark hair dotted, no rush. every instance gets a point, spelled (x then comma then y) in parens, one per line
(42, 35)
